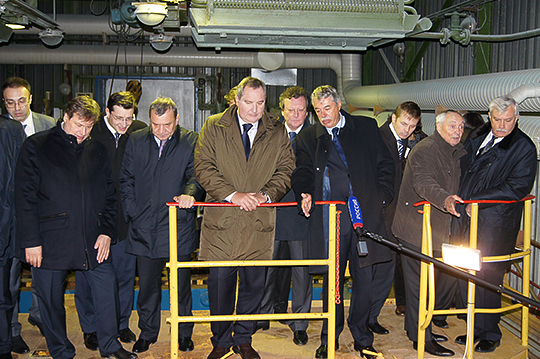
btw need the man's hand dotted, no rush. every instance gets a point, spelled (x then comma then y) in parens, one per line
(468, 209)
(450, 204)
(306, 204)
(103, 245)
(248, 201)
(34, 255)
(184, 201)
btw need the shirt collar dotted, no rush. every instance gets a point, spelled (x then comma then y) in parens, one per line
(394, 132)
(340, 124)
(106, 119)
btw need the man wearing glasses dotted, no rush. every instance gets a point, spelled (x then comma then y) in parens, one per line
(113, 131)
(17, 100)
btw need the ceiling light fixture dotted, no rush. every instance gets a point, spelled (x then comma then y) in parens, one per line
(151, 13)
(161, 42)
(51, 37)
(16, 26)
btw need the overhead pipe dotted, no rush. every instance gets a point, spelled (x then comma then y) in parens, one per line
(471, 93)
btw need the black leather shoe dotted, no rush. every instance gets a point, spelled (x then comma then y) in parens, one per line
(218, 352)
(121, 354)
(300, 337)
(322, 351)
(440, 323)
(262, 325)
(462, 339)
(18, 345)
(377, 328)
(360, 348)
(439, 338)
(142, 345)
(246, 351)
(37, 324)
(434, 348)
(6, 356)
(400, 310)
(185, 344)
(90, 341)
(127, 336)
(486, 346)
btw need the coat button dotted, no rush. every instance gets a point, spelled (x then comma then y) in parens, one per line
(406, 203)
(318, 170)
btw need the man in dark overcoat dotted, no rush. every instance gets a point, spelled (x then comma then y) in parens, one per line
(500, 164)
(158, 168)
(113, 131)
(11, 138)
(66, 216)
(340, 156)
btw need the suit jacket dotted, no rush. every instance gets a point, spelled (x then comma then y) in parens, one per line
(148, 183)
(64, 198)
(291, 225)
(371, 174)
(102, 134)
(431, 174)
(506, 172)
(42, 122)
(399, 166)
(221, 168)
(11, 139)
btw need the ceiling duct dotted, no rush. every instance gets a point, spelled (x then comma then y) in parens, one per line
(341, 25)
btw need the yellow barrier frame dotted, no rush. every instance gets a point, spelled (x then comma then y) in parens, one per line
(173, 263)
(427, 282)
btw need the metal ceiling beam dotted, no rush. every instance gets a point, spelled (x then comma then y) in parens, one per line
(20, 8)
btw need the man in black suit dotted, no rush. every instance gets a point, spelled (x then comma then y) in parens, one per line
(66, 216)
(158, 168)
(394, 134)
(291, 234)
(113, 131)
(501, 165)
(17, 96)
(340, 156)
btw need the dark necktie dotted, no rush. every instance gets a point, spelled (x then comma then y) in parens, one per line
(245, 139)
(337, 145)
(161, 146)
(400, 148)
(116, 138)
(291, 135)
(487, 147)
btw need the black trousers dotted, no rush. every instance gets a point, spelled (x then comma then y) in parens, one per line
(383, 275)
(221, 294)
(124, 271)
(50, 291)
(6, 308)
(361, 294)
(149, 299)
(445, 291)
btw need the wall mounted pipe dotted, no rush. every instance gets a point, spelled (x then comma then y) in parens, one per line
(478, 37)
(472, 93)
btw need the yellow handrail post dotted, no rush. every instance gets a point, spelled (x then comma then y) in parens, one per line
(173, 279)
(332, 282)
(473, 238)
(526, 272)
(422, 296)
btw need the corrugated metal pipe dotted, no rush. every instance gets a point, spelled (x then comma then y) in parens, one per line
(471, 93)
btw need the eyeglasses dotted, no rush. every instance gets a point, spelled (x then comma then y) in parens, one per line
(121, 119)
(299, 111)
(22, 102)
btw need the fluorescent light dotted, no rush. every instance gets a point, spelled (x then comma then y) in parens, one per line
(463, 257)
(16, 26)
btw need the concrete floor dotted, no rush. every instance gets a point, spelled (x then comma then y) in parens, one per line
(276, 343)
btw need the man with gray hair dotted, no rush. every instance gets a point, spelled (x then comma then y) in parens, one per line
(158, 168)
(431, 174)
(500, 165)
(341, 156)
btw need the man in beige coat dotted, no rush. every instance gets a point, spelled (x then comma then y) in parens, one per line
(242, 156)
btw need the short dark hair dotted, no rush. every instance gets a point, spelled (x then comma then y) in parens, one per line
(409, 107)
(251, 82)
(124, 99)
(473, 120)
(161, 105)
(85, 107)
(293, 92)
(14, 82)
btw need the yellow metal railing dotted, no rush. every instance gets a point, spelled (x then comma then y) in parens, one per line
(173, 266)
(427, 279)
